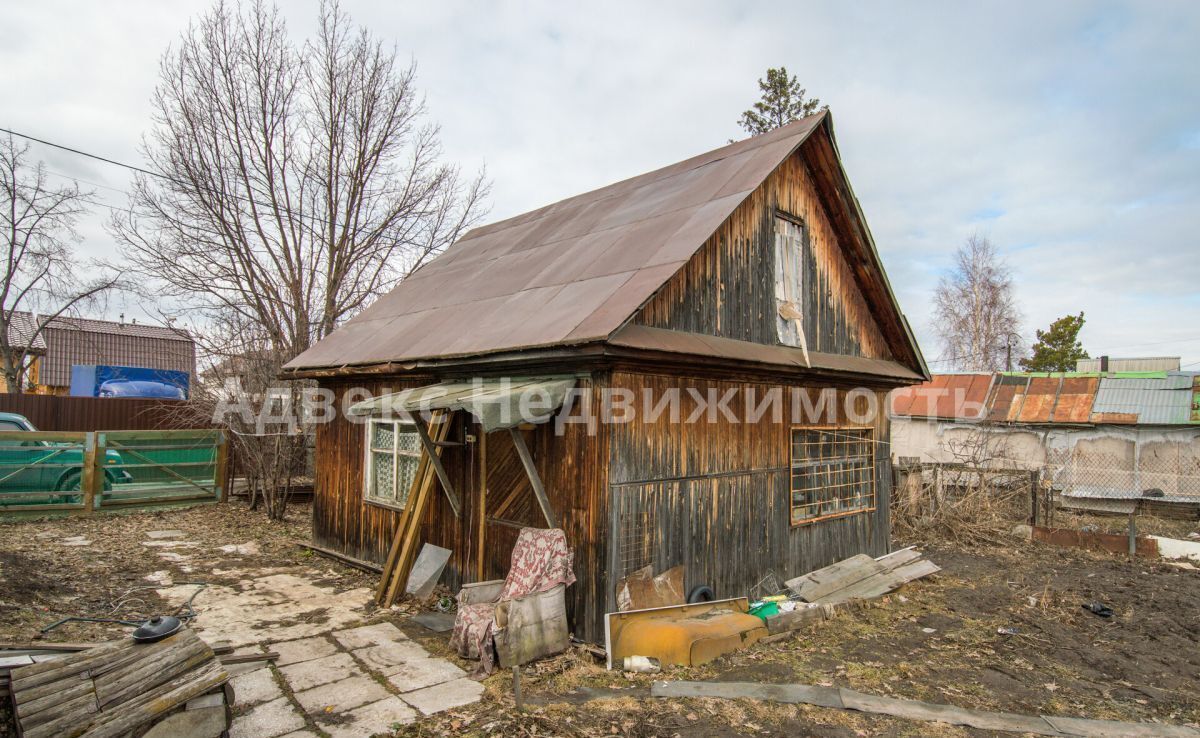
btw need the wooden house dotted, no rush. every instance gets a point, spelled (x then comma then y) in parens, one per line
(748, 269)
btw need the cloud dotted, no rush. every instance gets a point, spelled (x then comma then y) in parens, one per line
(1067, 132)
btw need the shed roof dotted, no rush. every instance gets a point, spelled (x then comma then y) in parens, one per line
(569, 273)
(114, 328)
(22, 333)
(1153, 401)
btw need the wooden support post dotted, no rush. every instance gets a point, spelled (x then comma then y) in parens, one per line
(1133, 534)
(538, 490)
(431, 451)
(481, 521)
(87, 474)
(1033, 498)
(222, 469)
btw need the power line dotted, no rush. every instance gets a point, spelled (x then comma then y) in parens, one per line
(178, 182)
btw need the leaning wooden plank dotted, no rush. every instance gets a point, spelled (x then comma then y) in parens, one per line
(880, 584)
(797, 618)
(411, 531)
(389, 583)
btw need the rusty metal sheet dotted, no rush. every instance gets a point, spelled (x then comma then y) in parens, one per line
(1075, 399)
(1001, 402)
(1146, 548)
(579, 259)
(946, 396)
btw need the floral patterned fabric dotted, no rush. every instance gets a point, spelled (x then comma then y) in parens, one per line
(541, 560)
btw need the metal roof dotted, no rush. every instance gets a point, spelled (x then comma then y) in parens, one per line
(113, 328)
(495, 403)
(947, 396)
(1130, 364)
(569, 273)
(1163, 401)
(21, 333)
(1173, 398)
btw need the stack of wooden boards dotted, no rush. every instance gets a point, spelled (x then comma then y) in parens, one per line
(113, 688)
(861, 577)
(848, 582)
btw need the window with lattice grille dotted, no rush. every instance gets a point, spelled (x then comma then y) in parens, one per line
(833, 473)
(393, 451)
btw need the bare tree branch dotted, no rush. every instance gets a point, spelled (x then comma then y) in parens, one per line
(300, 181)
(41, 272)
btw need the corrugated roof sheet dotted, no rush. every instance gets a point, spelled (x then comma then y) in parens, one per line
(1131, 364)
(1034, 399)
(566, 274)
(113, 328)
(947, 396)
(1165, 401)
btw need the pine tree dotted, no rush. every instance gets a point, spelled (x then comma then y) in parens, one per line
(782, 102)
(1058, 348)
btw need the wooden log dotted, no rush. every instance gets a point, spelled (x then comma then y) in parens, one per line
(49, 671)
(158, 701)
(63, 720)
(28, 710)
(119, 687)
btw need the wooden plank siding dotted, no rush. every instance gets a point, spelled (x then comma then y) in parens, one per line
(570, 466)
(715, 497)
(728, 288)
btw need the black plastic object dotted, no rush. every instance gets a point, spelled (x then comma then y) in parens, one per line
(157, 628)
(1098, 608)
(701, 593)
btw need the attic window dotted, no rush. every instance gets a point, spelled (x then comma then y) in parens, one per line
(833, 473)
(393, 451)
(789, 261)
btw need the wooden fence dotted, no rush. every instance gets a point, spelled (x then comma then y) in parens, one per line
(65, 473)
(83, 414)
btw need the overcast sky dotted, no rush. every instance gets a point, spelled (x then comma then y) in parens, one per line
(1068, 133)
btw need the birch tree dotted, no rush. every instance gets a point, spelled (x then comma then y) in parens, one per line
(975, 310)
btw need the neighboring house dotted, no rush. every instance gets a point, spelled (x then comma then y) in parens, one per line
(23, 338)
(1100, 438)
(70, 341)
(748, 269)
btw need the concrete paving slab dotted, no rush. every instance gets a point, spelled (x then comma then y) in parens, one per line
(160, 534)
(250, 548)
(309, 674)
(377, 717)
(388, 657)
(340, 696)
(255, 686)
(304, 649)
(445, 696)
(267, 721)
(421, 673)
(369, 635)
(208, 722)
(74, 541)
(301, 734)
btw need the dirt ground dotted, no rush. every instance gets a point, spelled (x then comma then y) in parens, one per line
(935, 640)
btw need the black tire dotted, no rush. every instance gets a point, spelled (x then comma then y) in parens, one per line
(701, 593)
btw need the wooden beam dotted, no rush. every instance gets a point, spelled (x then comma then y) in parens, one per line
(538, 490)
(481, 515)
(431, 451)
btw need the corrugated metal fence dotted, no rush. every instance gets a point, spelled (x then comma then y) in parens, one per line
(83, 414)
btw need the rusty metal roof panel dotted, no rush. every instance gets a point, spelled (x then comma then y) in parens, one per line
(1075, 398)
(946, 396)
(570, 272)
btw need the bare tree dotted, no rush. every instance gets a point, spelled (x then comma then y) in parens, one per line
(41, 271)
(975, 310)
(298, 180)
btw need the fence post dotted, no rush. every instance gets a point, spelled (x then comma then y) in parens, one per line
(220, 474)
(87, 474)
(1034, 483)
